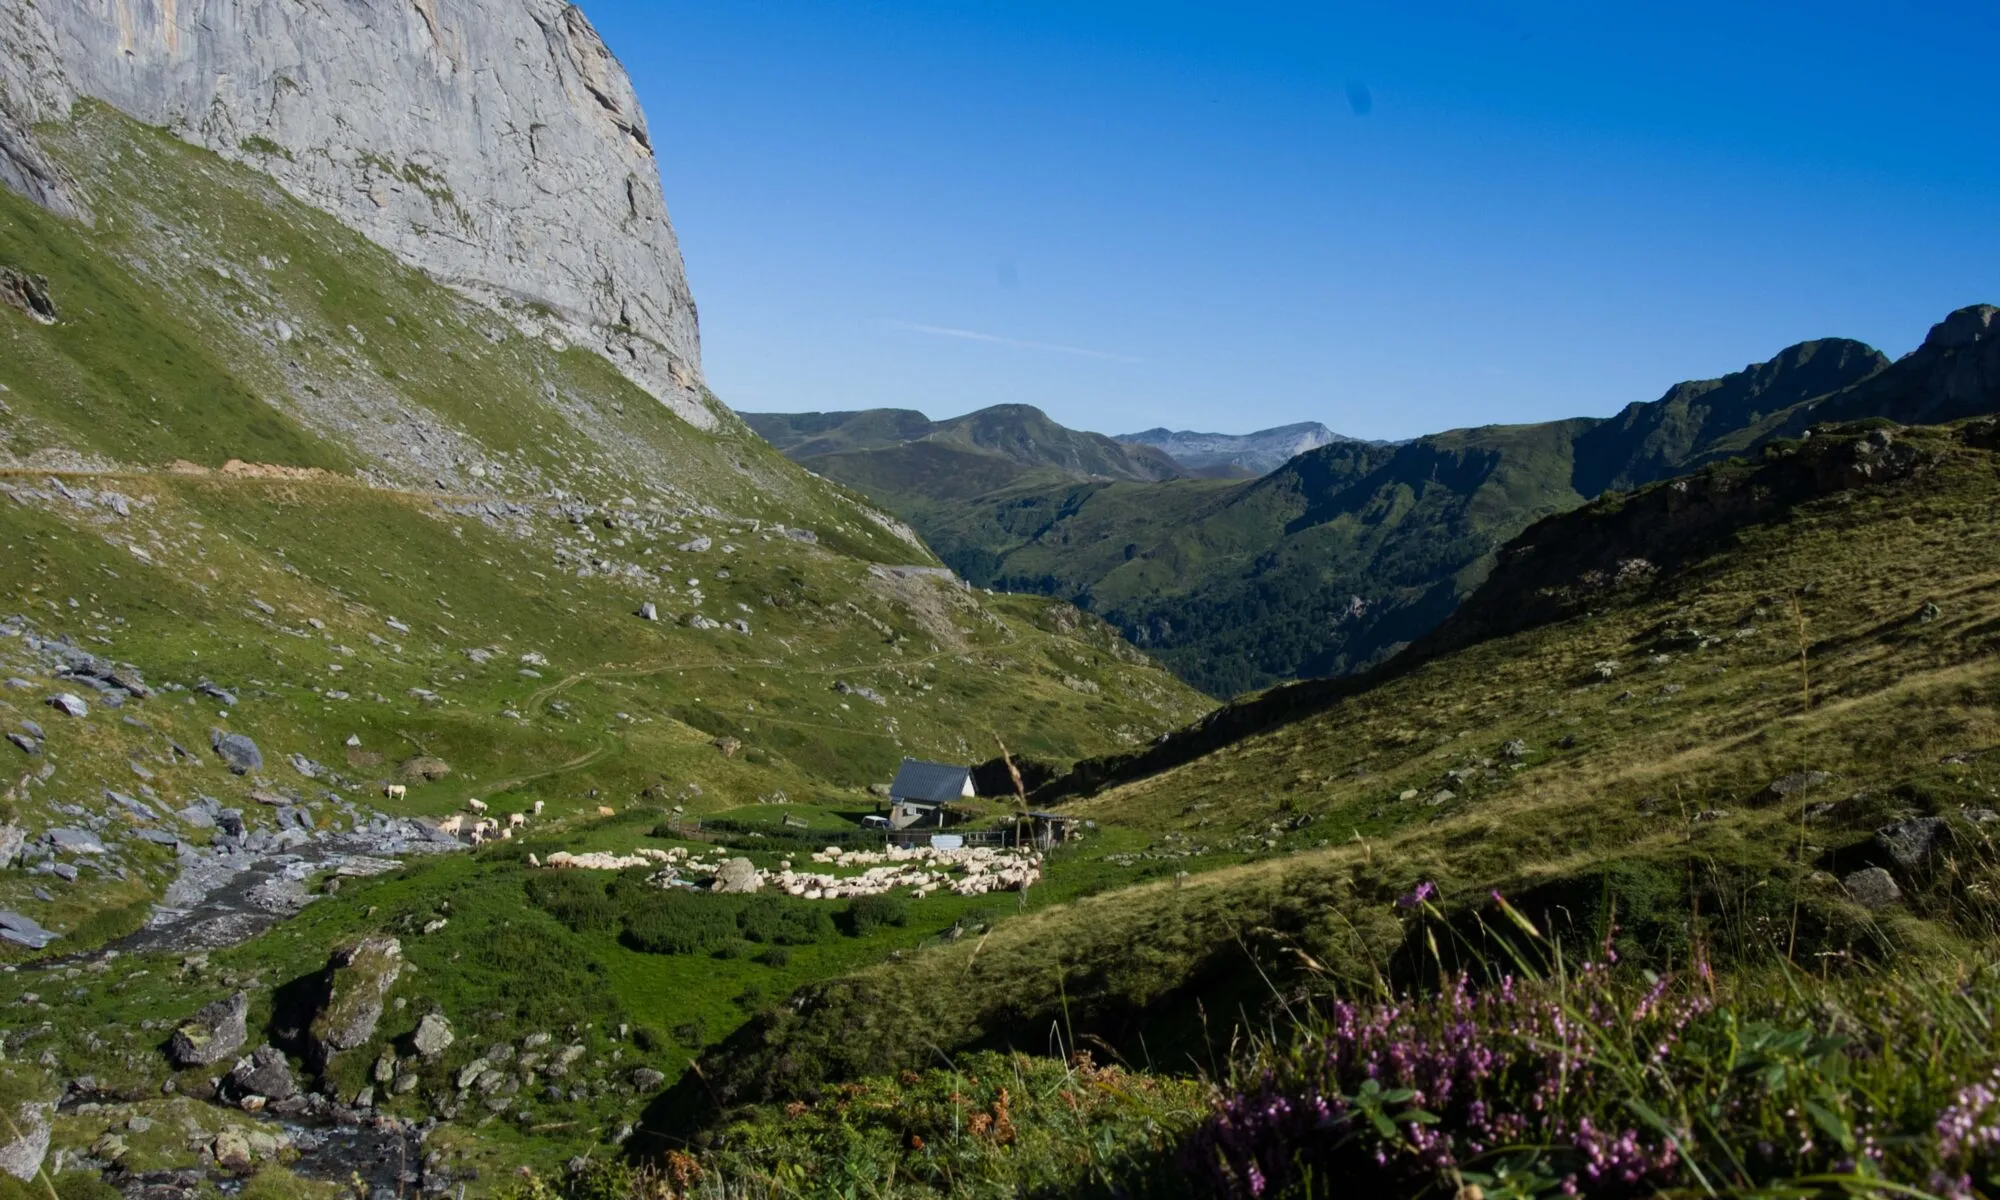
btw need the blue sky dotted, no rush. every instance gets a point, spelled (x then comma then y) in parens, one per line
(1392, 218)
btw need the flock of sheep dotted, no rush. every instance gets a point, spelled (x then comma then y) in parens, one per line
(966, 872)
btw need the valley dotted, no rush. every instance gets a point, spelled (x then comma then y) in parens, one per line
(450, 751)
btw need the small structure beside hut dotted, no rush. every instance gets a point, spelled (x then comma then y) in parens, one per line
(1050, 830)
(924, 791)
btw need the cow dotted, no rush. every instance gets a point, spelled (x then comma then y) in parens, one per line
(478, 806)
(538, 808)
(507, 834)
(516, 820)
(452, 825)
(478, 837)
(396, 791)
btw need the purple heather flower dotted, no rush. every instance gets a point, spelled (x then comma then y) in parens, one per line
(1423, 892)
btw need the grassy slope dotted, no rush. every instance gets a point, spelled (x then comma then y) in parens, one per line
(380, 393)
(1647, 790)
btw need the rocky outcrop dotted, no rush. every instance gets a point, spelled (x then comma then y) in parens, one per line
(496, 144)
(357, 983)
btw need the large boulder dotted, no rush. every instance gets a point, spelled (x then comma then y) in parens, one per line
(357, 984)
(1910, 843)
(27, 1098)
(433, 1036)
(1872, 887)
(738, 876)
(265, 1073)
(211, 1034)
(240, 753)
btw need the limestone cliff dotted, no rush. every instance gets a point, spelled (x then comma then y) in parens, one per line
(496, 144)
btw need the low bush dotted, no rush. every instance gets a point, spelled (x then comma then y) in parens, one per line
(576, 898)
(784, 922)
(677, 922)
(866, 914)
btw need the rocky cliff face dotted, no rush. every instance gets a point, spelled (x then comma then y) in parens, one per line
(496, 144)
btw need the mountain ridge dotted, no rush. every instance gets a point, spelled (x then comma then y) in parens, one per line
(1224, 455)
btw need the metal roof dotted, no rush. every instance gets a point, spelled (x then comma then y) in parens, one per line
(929, 782)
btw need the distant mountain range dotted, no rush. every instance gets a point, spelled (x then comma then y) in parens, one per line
(1237, 456)
(1345, 553)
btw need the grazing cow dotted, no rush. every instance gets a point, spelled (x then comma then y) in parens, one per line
(606, 812)
(538, 808)
(477, 837)
(396, 791)
(516, 820)
(507, 834)
(478, 806)
(489, 827)
(452, 825)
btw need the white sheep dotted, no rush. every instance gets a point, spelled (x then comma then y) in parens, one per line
(453, 825)
(396, 791)
(516, 820)
(478, 806)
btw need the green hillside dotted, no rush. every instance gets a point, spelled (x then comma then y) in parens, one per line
(1672, 722)
(1348, 553)
(258, 480)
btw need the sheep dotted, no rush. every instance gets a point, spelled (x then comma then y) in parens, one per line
(507, 834)
(478, 837)
(396, 791)
(478, 806)
(603, 811)
(516, 820)
(454, 825)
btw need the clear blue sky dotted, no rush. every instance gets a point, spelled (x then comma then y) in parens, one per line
(1393, 218)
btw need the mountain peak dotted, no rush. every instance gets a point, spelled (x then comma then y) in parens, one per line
(1247, 454)
(1967, 327)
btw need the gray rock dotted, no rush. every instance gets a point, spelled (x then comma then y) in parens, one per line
(646, 1079)
(239, 752)
(25, 931)
(737, 876)
(470, 1073)
(216, 692)
(212, 1034)
(264, 1073)
(1910, 843)
(75, 841)
(33, 730)
(1872, 887)
(541, 163)
(27, 1134)
(25, 744)
(357, 984)
(13, 839)
(649, 611)
(66, 872)
(1516, 748)
(69, 704)
(1796, 782)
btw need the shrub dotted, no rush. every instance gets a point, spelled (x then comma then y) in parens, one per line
(779, 922)
(576, 898)
(733, 949)
(776, 956)
(678, 923)
(866, 914)
(693, 1034)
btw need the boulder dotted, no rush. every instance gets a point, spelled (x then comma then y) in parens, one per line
(240, 753)
(433, 1036)
(27, 1098)
(212, 1034)
(649, 611)
(646, 1079)
(1872, 887)
(232, 1151)
(69, 704)
(357, 984)
(25, 931)
(737, 877)
(1910, 843)
(264, 1073)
